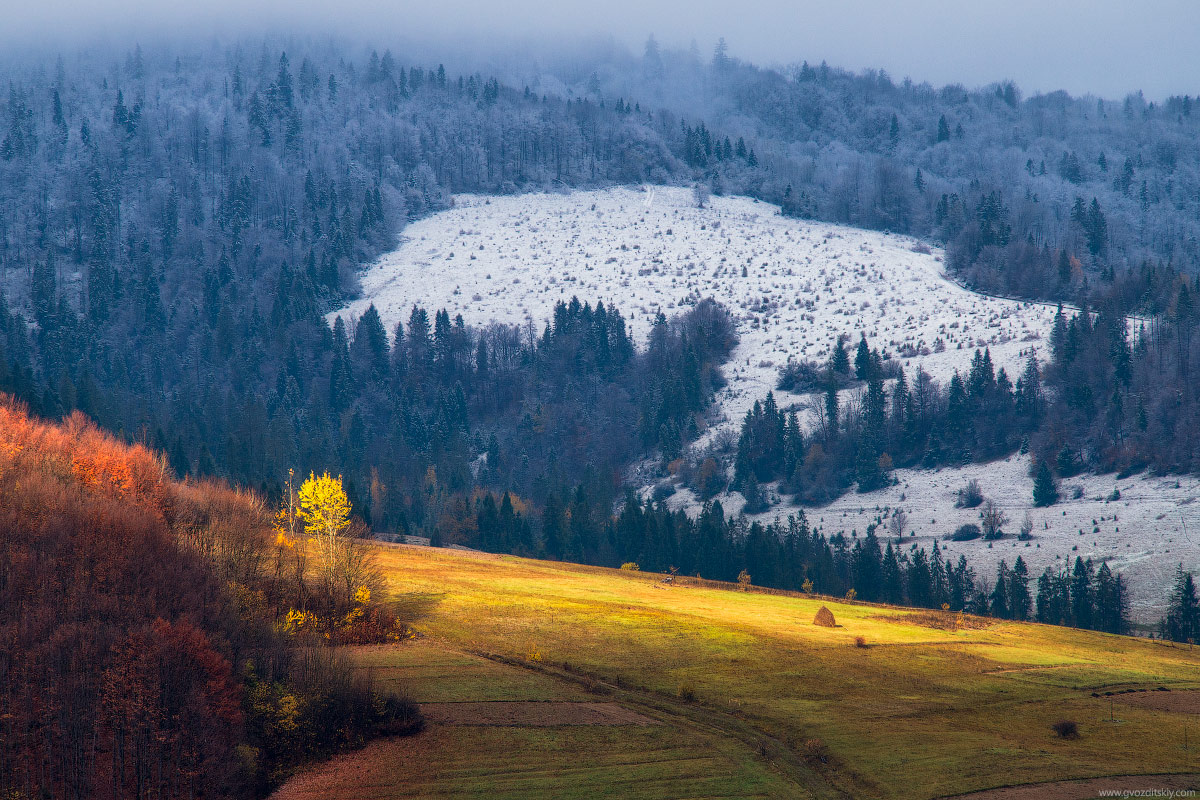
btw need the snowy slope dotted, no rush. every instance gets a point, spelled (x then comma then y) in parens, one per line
(511, 258)
(1146, 533)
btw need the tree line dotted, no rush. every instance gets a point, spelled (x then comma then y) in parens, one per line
(789, 554)
(978, 416)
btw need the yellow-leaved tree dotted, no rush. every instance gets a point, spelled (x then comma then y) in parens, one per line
(325, 511)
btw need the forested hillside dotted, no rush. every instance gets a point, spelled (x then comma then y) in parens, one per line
(999, 176)
(174, 221)
(197, 212)
(153, 640)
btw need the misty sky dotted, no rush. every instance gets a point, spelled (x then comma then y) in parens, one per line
(1099, 46)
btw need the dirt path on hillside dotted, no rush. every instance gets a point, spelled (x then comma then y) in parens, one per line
(533, 713)
(1088, 789)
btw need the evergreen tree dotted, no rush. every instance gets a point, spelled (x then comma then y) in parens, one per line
(943, 130)
(893, 579)
(839, 361)
(1045, 489)
(1018, 591)
(1182, 622)
(1112, 604)
(1083, 597)
(862, 359)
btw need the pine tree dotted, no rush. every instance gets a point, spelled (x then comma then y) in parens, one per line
(999, 600)
(1083, 597)
(1045, 490)
(1182, 623)
(943, 130)
(1018, 591)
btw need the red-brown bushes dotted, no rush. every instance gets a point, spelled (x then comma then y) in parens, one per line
(93, 587)
(138, 613)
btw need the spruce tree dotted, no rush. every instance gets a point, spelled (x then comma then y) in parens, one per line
(943, 130)
(1183, 615)
(893, 580)
(1083, 597)
(1018, 591)
(839, 361)
(1045, 490)
(1112, 604)
(998, 602)
(862, 359)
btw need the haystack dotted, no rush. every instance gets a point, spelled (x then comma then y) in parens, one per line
(825, 618)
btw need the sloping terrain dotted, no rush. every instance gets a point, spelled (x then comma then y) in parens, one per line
(510, 259)
(751, 698)
(792, 285)
(1145, 531)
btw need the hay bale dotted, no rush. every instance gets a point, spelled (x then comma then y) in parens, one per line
(825, 618)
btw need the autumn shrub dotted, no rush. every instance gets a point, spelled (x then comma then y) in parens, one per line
(370, 624)
(309, 704)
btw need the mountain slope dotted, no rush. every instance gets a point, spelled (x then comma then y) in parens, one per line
(932, 705)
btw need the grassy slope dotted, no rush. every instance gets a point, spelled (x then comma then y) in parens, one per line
(920, 712)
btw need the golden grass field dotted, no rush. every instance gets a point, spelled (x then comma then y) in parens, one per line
(753, 700)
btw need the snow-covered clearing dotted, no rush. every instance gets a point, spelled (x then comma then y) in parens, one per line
(1146, 533)
(510, 259)
(793, 286)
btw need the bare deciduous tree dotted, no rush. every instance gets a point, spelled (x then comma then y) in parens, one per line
(994, 519)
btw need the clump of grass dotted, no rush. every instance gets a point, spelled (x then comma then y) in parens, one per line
(860, 641)
(1066, 729)
(687, 693)
(825, 618)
